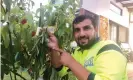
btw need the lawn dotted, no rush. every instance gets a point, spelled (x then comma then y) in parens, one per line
(24, 74)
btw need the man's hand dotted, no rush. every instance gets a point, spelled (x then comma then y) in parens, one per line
(65, 58)
(52, 41)
(55, 56)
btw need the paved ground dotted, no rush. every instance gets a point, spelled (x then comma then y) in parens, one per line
(130, 70)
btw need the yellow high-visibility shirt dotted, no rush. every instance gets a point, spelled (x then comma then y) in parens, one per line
(104, 60)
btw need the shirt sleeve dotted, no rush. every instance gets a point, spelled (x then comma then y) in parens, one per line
(109, 65)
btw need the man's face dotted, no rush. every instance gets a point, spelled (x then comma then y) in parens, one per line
(84, 33)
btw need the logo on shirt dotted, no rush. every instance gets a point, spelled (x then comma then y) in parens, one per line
(89, 62)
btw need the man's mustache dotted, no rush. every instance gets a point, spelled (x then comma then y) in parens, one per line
(83, 37)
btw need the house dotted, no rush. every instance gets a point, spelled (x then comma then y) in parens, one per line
(115, 18)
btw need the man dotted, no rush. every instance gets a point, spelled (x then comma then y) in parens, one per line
(93, 59)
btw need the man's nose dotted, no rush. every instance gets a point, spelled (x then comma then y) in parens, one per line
(82, 33)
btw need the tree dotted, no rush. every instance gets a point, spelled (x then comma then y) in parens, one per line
(22, 48)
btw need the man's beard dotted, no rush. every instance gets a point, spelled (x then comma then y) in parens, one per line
(88, 45)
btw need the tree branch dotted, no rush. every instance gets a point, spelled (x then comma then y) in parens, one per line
(18, 75)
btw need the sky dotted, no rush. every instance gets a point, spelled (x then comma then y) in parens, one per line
(37, 4)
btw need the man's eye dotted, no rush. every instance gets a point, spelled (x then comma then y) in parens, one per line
(76, 30)
(87, 27)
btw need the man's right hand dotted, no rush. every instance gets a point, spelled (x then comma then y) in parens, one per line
(55, 55)
(52, 41)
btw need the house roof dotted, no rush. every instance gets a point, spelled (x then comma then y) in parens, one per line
(127, 3)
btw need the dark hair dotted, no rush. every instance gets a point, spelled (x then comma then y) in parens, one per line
(80, 18)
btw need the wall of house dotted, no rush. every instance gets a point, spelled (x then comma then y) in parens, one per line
(131, 35)
(122, 34)
(102, 7)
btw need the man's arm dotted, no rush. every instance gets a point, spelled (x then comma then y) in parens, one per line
(55, 55)
(78, 70)
(55, 59)
(110, 65)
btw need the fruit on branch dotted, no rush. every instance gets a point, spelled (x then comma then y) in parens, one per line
(24, 21)
(33, 33)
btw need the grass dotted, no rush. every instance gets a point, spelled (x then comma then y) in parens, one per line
(23, 73)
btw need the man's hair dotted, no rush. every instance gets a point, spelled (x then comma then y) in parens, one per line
(81, 18)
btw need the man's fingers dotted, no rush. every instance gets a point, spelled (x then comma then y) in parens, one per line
(59, 50)
(50, 34)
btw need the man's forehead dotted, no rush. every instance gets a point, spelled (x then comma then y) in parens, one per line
(83, 23)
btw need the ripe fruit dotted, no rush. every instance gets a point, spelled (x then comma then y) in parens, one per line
(23, 21)
(33, 33)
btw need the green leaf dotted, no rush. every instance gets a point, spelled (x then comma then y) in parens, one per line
(5, 69)
(17, 28)
(11, 27)
(16, 10)
(26, 34)
(17, 56)
(54, 75)
(29, 17)
(5, 35)
(3, 11)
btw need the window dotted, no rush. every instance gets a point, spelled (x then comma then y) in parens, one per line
(115, 9)
(118, 33)
(113, 30)
(131, 18)
(123, 34)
